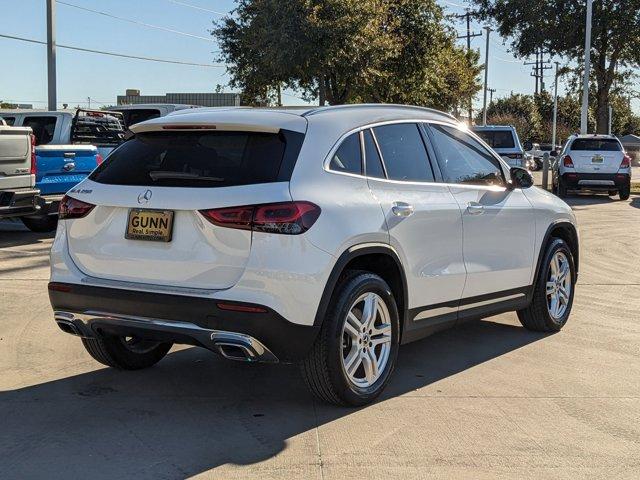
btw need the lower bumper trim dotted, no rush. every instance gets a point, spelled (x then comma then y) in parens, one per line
(231, 345)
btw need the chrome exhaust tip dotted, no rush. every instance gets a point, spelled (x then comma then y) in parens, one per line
(240, 347)
(68, 327)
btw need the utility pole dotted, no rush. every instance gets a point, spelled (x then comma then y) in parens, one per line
(610, 118)
(51, 55)
(587, 70)
(469, 36)
(89, 102)
(491, 92)
(540, 65)
(486, 77)
(555, 110)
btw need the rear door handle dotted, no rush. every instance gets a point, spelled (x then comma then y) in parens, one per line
(474, 208)
(402, 209)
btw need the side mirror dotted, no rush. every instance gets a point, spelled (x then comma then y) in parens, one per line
(528, 146)
(520, 178)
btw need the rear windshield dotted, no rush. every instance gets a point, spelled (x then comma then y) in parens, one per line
(197, 159)
(497, 138)
(596, 145)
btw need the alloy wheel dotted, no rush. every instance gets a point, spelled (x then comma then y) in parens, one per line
(558, 286)
(366, 340)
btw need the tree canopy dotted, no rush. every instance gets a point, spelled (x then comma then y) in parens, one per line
(394, 51)
(558, 27)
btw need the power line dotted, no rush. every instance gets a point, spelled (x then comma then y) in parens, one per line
(197, 7)
(114, 54)
(136, 22)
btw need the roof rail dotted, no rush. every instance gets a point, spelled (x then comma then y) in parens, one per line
(317, 110)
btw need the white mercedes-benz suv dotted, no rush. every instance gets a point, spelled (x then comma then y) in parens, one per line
(325, 236)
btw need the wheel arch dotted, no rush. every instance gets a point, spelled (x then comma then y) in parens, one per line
(566, 231)
(378, 258)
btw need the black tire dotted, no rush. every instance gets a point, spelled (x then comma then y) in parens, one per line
(536, 316)
(323, 369)
(41, 224)
(117, 352)
(562, 188)
(625, 192)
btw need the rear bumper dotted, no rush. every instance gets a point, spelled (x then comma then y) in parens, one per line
(595, 181)
(18, 202)
(263, 336)
(49, 204)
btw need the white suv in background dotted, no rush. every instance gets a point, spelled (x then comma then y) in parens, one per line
(505, 142)
(593, 162)
(326, 236)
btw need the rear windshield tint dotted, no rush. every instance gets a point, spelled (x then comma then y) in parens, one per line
(196, 159)
(596, 145)
(497, 138)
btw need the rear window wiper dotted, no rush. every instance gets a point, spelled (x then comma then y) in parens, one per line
(182, 176)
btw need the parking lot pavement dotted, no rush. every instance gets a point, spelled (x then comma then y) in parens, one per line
(486, 400)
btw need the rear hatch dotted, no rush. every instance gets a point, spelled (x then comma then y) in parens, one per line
(15, 157)
(596, 155)
(147, 226)
(60, 167)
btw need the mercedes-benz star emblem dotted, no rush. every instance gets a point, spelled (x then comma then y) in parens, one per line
(145, 197)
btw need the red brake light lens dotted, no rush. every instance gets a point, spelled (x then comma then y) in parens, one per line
(288, 218)
(34, 164)
(626, 162)
(72, 208)
(99, 159)
(567, 162)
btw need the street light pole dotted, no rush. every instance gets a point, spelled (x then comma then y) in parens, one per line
(555, 111)
(587, 70)
(51, 54)
(486, 76)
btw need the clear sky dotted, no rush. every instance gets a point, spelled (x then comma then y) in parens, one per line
(82, 75)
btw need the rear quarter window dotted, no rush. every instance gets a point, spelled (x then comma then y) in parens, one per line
(596, 145)
(197, 159)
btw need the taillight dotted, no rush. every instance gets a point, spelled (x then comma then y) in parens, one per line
(626, 162)
(99, 159)
(289, 218)
(567, 162)
(34, 165)
(72, 208)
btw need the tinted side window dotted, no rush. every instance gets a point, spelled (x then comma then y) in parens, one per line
(9, 120)
(463, 159)
(348, 157)
(403, 152)
(372, 158)
(43, 128)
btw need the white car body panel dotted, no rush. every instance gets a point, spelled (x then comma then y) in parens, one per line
(505, 217)
(435, 274)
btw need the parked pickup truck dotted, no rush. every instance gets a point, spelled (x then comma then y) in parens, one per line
(69, 145)
(17, 180)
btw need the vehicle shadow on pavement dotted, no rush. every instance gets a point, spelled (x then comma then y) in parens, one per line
(14, 234)
(195, 411)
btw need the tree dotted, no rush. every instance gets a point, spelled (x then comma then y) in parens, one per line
(347, 51)
(558, 27)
